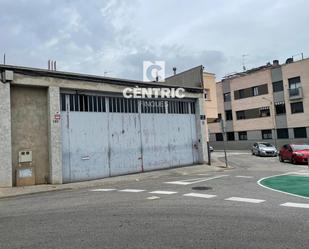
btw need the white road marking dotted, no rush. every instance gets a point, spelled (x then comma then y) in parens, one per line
(193, 181)
(159, 192)
(203, 174)
(297, 205)
(240, 199)
(244, 176)
(153, 198)
(103, 189)
(199, 195)
(132, 190)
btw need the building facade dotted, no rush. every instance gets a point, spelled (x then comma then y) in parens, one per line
(270, 103)
(68, 127)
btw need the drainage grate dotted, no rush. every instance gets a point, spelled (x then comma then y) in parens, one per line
(201, 188)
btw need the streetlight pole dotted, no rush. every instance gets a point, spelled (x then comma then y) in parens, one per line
(273, 117)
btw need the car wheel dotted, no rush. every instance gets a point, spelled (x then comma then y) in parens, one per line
(252, 152)
(293, 160)
(281, 159)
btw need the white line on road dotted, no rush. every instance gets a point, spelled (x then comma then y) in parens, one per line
(297, 205)
(199, 195)
(103, 189)
(159, 192)
(244, 176)
(240, 199)
(153, 197)
(193, 181)
(132, 190)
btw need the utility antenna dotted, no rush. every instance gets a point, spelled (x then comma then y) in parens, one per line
(243, 61)
(4, 59)
(106, 72)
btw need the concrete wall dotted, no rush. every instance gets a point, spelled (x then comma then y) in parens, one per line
(5, 136)
(54, 134)
(211, 104)
(30, 128)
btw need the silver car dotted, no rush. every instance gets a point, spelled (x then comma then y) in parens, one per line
(264, 149)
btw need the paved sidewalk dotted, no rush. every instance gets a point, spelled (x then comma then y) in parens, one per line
(195, 169)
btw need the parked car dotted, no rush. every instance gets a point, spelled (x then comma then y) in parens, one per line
(295, 153)
(264, 149)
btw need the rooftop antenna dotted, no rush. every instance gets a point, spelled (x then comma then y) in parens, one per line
(174, 70)
(106, 72)
(4, 59)
(243, 61)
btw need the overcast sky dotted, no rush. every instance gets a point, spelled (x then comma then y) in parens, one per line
(116, 36)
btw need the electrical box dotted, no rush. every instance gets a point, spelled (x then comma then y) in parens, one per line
(25, 156)
(25, 176)
(8, 75)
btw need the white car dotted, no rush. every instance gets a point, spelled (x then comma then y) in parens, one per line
(264, 149)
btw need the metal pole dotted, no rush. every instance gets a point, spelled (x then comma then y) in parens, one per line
(209, 154)
(224, 146)
(274, 122)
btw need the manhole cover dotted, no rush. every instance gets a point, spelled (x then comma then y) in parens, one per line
(201, 188)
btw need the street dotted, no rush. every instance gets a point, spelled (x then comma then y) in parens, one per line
(224, 209)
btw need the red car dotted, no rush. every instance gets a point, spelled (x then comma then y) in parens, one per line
(295, 153)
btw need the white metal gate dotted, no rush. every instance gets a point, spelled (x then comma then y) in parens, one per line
(108, 136)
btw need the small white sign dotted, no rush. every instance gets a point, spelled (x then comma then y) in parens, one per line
(24, 173)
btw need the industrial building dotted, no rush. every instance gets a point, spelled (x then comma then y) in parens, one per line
(58, 127)
(269, 103)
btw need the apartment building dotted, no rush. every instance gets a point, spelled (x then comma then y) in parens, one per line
(269, 103)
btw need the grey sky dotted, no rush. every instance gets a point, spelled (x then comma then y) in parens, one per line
(116, 36)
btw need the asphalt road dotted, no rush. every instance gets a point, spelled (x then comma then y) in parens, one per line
(227, 210)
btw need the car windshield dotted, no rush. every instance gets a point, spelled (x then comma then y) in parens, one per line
(265, 145)
(300, 146)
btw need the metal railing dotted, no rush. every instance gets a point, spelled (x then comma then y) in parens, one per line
(296, 93)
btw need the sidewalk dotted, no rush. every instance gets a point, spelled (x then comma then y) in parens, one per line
(216, 166)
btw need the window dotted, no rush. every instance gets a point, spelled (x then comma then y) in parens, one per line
(206, 94)
(294, 82)
(278, 86)
(280, 108)
(264, 111)
(230, 136)
(294, 85)
(227, 97)
(282, 133)
(242, 135)
(228, 115)
(240, 115)
(300, 132)
(297, 107)
(219, 137)
(266, 134)
(241, 94)
(255, 91)
(251, 91)
(83, 103)
(63, 103)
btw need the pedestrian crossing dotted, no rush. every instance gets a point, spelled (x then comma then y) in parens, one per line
(155, 195)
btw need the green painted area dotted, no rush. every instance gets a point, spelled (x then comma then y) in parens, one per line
(298, 185)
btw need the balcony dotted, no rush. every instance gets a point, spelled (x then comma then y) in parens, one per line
(296, 93)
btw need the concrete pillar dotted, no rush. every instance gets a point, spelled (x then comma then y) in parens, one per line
(54, 127)
(5, 136)
(201, 131)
